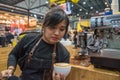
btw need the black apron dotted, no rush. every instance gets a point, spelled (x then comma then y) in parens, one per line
(37, 68)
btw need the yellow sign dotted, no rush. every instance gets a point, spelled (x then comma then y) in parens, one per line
(85, 23)
(57, 1)
(79, 29)
(62, 1)
(52, 1)
(75, 1)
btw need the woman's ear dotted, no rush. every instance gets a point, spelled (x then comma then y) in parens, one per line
(43, 27)
(42, 30)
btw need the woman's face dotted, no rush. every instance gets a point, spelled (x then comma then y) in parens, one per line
(53, 34)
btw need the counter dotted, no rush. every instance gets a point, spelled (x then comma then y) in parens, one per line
(91, 73)
(77, 72)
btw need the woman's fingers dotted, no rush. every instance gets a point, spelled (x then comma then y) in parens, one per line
(5, 74)
(62, 77)
(58, 76)
(9, 72)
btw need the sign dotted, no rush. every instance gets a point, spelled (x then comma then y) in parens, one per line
(108, 11)
(57, 1)
(75, 1)
(66, 7)
(52, 1)
(109, 21)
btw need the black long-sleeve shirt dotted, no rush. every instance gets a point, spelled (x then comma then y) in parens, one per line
(41, 59)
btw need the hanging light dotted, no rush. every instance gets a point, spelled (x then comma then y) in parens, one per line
(106, 3)
(84, 2)
(86, 13)
(96, 11)
(91, 7)
(72, 5)
(80, 9)
(77, 14)
(46, 2)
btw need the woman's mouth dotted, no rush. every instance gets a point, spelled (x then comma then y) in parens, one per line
(54, 38)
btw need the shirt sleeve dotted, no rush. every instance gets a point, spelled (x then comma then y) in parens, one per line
(13, 55)
(63, 54)
(18, 51)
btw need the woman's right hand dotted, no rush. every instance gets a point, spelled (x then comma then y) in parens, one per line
(6, 74)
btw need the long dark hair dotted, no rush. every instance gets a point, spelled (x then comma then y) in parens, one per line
(54, 16)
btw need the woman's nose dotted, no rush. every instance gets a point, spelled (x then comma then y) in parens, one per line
(57, 32)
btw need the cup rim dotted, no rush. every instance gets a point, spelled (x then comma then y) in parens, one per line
(60, 64)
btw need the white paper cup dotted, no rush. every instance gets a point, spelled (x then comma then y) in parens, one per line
(63, 68)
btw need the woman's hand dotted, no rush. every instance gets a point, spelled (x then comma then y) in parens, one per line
(6, 74)
(58, 76)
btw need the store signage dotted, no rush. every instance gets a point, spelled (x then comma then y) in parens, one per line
(108, 21)
(108, 13)
(66, 7)
(57, 1)
(63, 1)
(75, 1)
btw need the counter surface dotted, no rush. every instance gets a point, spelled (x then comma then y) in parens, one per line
(91, 73)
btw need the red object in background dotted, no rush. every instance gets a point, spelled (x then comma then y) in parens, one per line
(22, 26)
(14, 27)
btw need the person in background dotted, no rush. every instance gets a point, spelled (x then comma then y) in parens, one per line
(36, 54)
(97, 42)
(82, 40)
(114, 38)
(2, 39)
(9, 37)
(66, 36)
(75, 38)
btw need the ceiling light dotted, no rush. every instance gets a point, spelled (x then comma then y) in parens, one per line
(96, 11)
(72, 5)
(77, 14)
(84, 2)
(80, 9)
(46, 2)
(41, 17)
(12, 10)
(105, 3)
(86, 13)
(35, 15)
(91, 7)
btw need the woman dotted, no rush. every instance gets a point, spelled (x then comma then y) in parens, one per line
(36, 54)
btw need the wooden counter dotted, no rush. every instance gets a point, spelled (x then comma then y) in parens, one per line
(77, 72)
(91, 73)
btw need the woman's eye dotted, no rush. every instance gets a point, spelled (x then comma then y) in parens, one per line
(62, 29)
